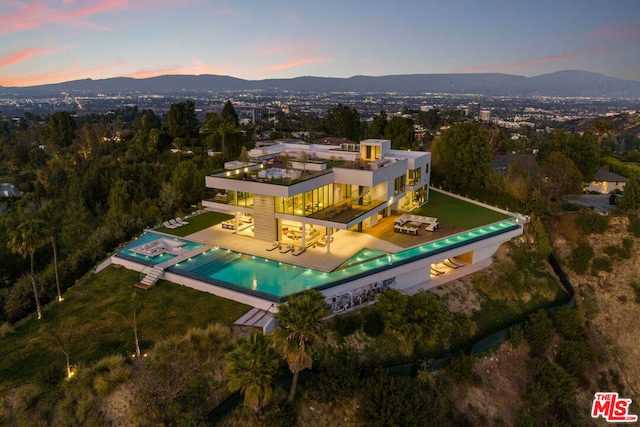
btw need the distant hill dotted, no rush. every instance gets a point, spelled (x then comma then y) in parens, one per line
(569, 83)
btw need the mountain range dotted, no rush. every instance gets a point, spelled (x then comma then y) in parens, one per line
(570, 83)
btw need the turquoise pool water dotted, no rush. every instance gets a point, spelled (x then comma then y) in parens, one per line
(275, 280)
(149, 237)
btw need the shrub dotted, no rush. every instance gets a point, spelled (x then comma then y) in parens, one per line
(516, 335)
(636, 290)
(601, 264)
(391, 401)
(551, 386)
(542, 238)
(372, 323)
(460, 367)
(634, 225)
(6, 329)
(590, 302)
(580, 257)
(539, 332)
(590, 222)
(346, 325)
(569, 322)
(339, 373)
(575, 356)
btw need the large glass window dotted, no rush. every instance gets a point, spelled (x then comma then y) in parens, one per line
(306, 203)
(398, 184)
(414, 176)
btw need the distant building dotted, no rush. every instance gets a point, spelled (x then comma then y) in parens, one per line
(606, 182)
(485, 114)
(257, 114)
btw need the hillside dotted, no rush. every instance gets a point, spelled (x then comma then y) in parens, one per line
(569, 83)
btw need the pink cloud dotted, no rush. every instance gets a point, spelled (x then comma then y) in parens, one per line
(27, 16)
(289, 48)
(25, 54)
(294, 63)
(292, 16)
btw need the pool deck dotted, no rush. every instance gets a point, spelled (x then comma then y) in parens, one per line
(344, 246)
(346, 243)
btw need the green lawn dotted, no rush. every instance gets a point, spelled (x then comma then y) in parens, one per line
(95, 320)
(196, 223)
(457, 212)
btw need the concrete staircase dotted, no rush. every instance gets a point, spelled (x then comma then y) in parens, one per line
(151, 278)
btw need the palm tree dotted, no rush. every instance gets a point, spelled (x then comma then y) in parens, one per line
(300, 330)
(251, 368)
(24, 240)
(52, 218)
(602, 129)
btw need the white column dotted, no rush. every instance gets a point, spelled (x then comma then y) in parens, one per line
(328, 235)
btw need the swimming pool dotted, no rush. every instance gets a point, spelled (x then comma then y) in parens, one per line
(130, 252)
(274, 280)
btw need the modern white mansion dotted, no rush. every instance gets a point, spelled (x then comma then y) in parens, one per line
(323, 188)
(290, 203)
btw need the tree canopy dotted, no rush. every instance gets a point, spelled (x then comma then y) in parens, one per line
(342, 122)
(463, 156)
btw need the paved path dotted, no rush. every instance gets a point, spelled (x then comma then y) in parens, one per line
(599, 202)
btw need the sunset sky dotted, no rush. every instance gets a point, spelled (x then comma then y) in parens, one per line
(49, 41)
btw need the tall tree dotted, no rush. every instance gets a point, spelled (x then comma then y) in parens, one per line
(463, 156)
(342, 122)
(581, 149)
(378, 125)
(631, 199)
(182, 120)
(59, 131)
(229, 114)
(251, 368)
(561, 176)
(299, 332)
(25, 240)
(52, 218)
(399, 131)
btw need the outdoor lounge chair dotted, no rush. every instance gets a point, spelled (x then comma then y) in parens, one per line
(274, 245)
(298, 250)
(181, 221)
(168, 224)
(286, 248)
(175, 223)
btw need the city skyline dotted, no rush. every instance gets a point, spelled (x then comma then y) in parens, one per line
(50, 42)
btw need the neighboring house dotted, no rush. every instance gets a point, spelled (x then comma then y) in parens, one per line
(521, 161)
(9, 190)
(606, 182)
(324, 187)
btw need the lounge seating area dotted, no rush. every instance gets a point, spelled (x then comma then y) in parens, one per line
(286, 248)
(220, 198)
(407, 228)
(295, 233)
(175, 223)
(322, 242)
(410, 221)
(158, 247)
(242, 220)
(337, 210)
(278, 173)
(297, 251)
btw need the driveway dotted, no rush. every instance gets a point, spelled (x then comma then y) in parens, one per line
(599, 202)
